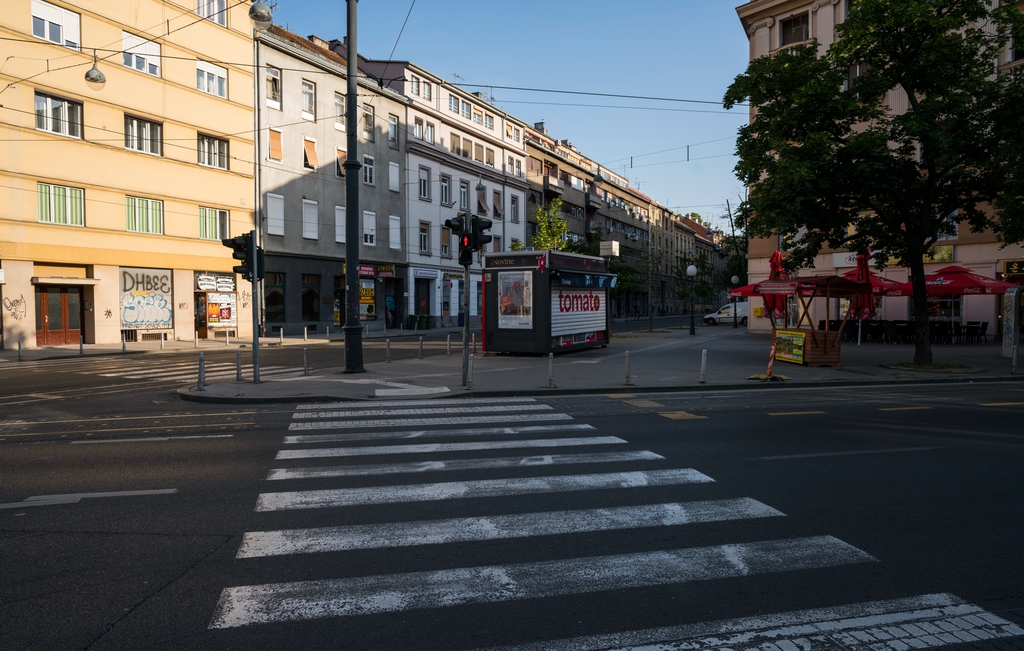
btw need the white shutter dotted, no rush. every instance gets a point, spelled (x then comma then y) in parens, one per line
(394, 177)
(275, 214)
(577, 311)
(395, 234)
(310, 220)
(339, 224)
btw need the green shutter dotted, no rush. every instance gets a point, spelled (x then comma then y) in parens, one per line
(75, 203)
(43, 201)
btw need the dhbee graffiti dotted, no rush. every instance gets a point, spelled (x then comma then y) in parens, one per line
(146, 299)
(17, 307)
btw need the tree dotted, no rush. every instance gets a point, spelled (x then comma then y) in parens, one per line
(828, 164)
(551, 227)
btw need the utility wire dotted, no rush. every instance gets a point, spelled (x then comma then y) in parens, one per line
(593, 94)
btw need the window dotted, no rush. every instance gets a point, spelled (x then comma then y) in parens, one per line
(511, 165)
(308, 100)
(394, 176)
(395, 232)
(489, 121)
(58, 116)
(339, 167)
(467, 110)
(339, 224)
(516, 134)
(952, 223)
(795, 29)
(309, 159)
(446, 190)
(425, 237)
(467, 148)
(478, 153)
(310, 220)
(514, 209)
(463, 195)
(211, 79)
(60, 205)
(60, 26)
(213, 152)
(414, 85)
(453, 104)
(499, 205)
(428, 133)
(213, 224)
(310, 297)
(489, 159)
(339, 111)
(446, 242)
(213, 10)
(393, 131)
(273, 87)
(274, 138)
(456, 144)
(144, 215)
(369, 228)
(274, 297)
(496, 244)
(519, 167)
(368, 170)
(478, 116)
(427, 91)
(417, 128)
(368, 123)
(275, 214)
(140, 54)
(425, 183)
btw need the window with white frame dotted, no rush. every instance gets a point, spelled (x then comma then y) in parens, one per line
(516, 134)
(273, 87)
(394, 176)
(213, 152)
(395, 232)
(275, 214)
(276, 147)
(951, 225)
(478, 116)
(453, 104)
(794, 29)
(140, 54)
(368, 122)
(58, 204)
(339, 167)
(144, 215)
(519, 167)
(514, 209)
(142, 135)
(214, 224)
(339, 224)
(393, 131)
(414, 85)
(211, 79)
(463, 195)
(310, 220)
(368, 170)
(417, 128)
(339, 111)
(425, 183)
(369, 228)
(213, 10)
(308, 100)
(58, 115)
(57, 25)
(489, 121)
(428, 91)
(424, 238)
(428, 133)
(446, 242)
(467, 110)
(489, 158)
(511, 165)
(446, 190)
(309, 157)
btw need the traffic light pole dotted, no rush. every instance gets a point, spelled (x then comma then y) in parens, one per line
(465, 325)
(255, 312)
(353, 331)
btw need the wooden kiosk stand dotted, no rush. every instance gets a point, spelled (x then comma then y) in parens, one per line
(802, 344)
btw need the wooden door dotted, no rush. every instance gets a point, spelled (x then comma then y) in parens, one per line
(58, 315)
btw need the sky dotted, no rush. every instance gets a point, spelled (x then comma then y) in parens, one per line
(679, 49)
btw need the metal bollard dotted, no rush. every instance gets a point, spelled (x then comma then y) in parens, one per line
(628, 380)
(19, 351)
(421, 349)
(551, 370)
(81, 345)
(449, 345)
(305, 333)
(305, 361)
(196, 340)
(124, 344)
(238, 365)
(387, 351)
(280, 335)
(474, 343)
(1013, 369)
(703, 365)
(227, 338)
(328, 335)
(202, 373)
(469, 375)
(163, 338)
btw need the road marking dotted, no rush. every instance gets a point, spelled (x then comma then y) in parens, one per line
(876, 625)
(500, 527)
(420, 411)
(461, 464)
(398, 422)
(411, 391)
(155, 438)
(643, 403)
(842, 454)
(619, 395)
(424, 448)
(74, 498)
(1001, 404)
(206, 426)
(919, 408)
(794, 413)
(412, 403)
(259, 604)
(680, 415)
(106, 419)
(420, 433)
(479, 488)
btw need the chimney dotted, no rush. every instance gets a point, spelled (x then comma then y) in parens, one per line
(541, 127)
(319, 42)
(478, 95)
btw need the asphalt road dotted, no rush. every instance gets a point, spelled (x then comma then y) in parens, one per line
(130, 520)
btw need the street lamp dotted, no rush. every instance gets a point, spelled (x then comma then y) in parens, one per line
(260, 15)
(95, 78)
(691, 271)
(735, 281)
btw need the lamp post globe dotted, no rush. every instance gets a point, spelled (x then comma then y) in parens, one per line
(735, 280)
(691, 271)
(260, 15)
(94, 77)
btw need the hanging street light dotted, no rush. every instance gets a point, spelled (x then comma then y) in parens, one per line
(94, 78)
(260, 15)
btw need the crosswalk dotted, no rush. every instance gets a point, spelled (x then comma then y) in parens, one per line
(175, 372)
(356, 441)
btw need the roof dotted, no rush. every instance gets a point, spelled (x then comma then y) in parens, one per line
(307, 45)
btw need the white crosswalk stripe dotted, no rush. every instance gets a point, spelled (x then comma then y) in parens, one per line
(485, 427)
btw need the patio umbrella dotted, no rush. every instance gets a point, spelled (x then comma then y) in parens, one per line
(960, 281)
(880, 285)
(775, 304)
(746, 291)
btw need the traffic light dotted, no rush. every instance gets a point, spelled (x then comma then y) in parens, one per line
(479, 237)
(465, 249)
(462, 228)
(457, 224)
(242, 250)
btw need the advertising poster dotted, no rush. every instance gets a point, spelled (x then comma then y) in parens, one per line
(367, 300)
(146, 299)
(789, 346)
(220, 310)
(515, 300)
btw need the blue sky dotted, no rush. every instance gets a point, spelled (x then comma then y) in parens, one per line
(686, 49)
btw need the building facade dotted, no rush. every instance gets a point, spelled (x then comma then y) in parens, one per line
(114, 198)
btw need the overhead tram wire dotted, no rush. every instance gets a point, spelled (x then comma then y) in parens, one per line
(595, 94)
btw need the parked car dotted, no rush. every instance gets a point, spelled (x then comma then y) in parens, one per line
(724, 315)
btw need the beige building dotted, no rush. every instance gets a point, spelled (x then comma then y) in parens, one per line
(113, 200)
(774, 25)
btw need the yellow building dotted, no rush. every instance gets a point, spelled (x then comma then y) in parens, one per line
(113, 198)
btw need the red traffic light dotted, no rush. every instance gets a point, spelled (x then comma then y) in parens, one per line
(464, 242)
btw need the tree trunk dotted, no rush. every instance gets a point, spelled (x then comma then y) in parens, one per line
(922, 336)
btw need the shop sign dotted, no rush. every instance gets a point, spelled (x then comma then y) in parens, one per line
(367, 271)
(146, 299)
(424, 273)
(214, 282)
(385, 271)
(578, 338)
(841, 260)
(576, 311)
(220, 309)
(515, 300)
(789, 346)
(1010, 268)
(367, 300)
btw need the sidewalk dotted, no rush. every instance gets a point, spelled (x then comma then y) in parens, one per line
(665, 360)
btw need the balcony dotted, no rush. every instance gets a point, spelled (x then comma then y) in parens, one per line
(552, 185)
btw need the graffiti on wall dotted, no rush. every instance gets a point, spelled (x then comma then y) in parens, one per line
(146, 299)
(17, 307)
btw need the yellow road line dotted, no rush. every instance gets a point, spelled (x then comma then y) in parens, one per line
(793, 413)
(680, 415)
(644, 403)
(903, 408)
(619, 395)
(1001, 404)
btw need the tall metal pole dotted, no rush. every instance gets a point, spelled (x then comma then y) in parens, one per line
(256, 213)
(650, 282)
(465, 324)
(693, 289)
(353, 331)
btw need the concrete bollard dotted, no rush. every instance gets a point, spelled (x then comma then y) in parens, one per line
(227, 338)
(327, 336)
(628, 379)
(280, 335)
(387, 351)
(449, 345)
(195, 340)
(238, 365)
(305, 361)
(81, 345)
(551, 370)
(469, 375)
(20, 359)
(421, 349)
(703, 365)
(124, 343)
(202, 373)
(163, 338)
(305, 333)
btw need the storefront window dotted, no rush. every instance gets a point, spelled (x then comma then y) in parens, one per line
(274, 297)
(942, 308)
(310, 297)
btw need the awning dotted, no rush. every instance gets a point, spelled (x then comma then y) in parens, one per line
(310, 147)
(40, 280)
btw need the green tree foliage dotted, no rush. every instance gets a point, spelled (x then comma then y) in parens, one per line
(819, 157)
(552, 227)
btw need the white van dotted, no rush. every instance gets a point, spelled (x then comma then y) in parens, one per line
(724, 315)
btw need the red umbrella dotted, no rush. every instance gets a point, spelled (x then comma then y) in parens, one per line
(863, 304)
(880, 285)
(775, 304)
(958, 281)
(746, 291)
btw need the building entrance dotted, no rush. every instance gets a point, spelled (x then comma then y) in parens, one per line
(58, 315)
